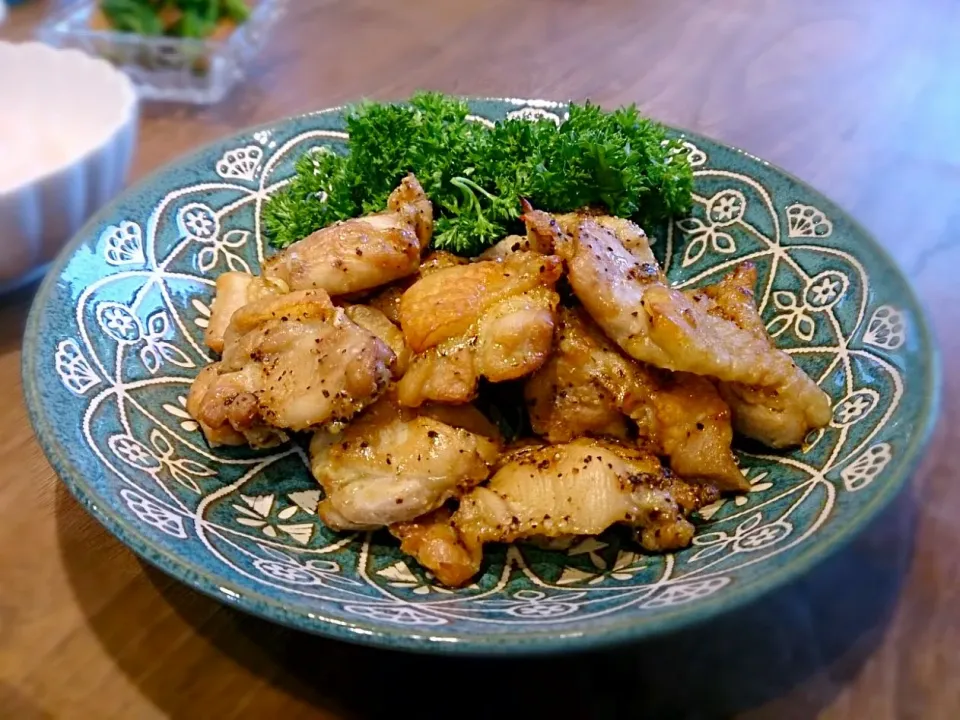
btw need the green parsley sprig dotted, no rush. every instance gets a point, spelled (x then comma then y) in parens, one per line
(476, 175)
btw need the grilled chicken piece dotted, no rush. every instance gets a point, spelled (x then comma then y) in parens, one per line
(588, 386)
(395, 464)
(439, 260)
(291, 362)
(512, 244)
(234, 290)
(492, 319)
(361, 253)
(374, 321)
(435, 543)
(533, 241)
(549, 491)
(225, 407)
(579, 390)
(624, 290)
(780, 415)
(685, 419)
(387, 300)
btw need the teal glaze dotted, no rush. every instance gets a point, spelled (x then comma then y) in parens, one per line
(115, 337)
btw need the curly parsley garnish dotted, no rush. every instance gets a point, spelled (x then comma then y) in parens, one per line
(476, 175)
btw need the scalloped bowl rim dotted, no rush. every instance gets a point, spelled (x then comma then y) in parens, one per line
(123, 89)
(376, 635)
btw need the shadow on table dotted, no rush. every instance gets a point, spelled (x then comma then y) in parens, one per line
(14, 308)
(805, 640)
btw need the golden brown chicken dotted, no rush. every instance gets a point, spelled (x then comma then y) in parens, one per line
(234, 290)
(588, 387)
(512, 244)
(550, 491)
(291, 362)
(612, 271)
(387, 300)
(491, 319)
(395, 464)
(439, 260)
(225, 408)
(373, 320)
(536, 240)
(362, 253)
(581, 388)
(780, 415)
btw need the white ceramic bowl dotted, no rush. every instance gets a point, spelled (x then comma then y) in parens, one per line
(68, 127)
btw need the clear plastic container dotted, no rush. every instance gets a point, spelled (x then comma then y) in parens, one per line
(187, 70)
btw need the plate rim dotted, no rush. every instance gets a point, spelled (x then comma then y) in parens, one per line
(381, 635)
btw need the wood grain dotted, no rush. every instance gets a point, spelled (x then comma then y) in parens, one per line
(857, 97)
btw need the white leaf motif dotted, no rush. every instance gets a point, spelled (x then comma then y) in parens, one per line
(240, 163)
(288, 512)
(306, 500)
(194, 468)
(807, 221)
(123, 244)
(157, 324)
(785, 300)
(235, 238)
(154, 514)
(261, 504)
(724, 244)
(887, 328)
(571, 575)
(72, 367)
(176, 411)
(398, 614)
(161, 444)
(207, 258)
(695, 249)
(750, 523)
(175, 355)
(779, 324)
(150, 358)
(683, 593)
(695, 156)
(481, 120)
(533, 115)
(236, 263)
(301, 532)
(710, 510)
(805, 327)
(708, 551)
(398, 572)
(200, 307)
(587, 545)
(865, 468)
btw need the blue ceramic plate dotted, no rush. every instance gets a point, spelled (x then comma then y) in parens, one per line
(115, 338)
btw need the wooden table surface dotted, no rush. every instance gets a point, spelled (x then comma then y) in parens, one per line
(860, 98)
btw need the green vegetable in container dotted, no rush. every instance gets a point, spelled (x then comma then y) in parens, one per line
(173, 18)
(476, 175)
